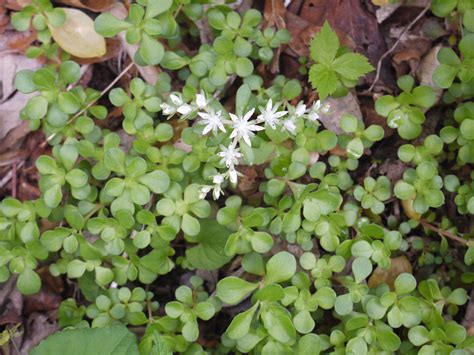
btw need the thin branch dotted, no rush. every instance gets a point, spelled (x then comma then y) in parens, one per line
(103, 92)
(444, 233)
(387, 53)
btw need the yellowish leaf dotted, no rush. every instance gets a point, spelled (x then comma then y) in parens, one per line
(397, 266)
(77, 35)
(409, 210)
(380, 2)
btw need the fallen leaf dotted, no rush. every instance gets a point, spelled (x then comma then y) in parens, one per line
(77, 35)
(385, 11)
(426, 68)
(397, 266)
(10, 64)
(338, 106)
(351, 18)
(303, 31)
(93, 5)
(113, 49)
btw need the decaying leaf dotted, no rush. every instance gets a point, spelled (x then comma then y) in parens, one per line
(338, 107)
(427, 67)
(77, 35)
(398, 266)
(11, 103)
(93, 5)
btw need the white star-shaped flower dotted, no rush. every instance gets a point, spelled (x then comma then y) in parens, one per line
(230, 155)
(168, 109)
(203, 191)
(212, 120)
(300, 109)
(290, 126)
(181, 107)
(313, 114)
(243, 128)
(233, 175)
(270, 115)
(201, 101)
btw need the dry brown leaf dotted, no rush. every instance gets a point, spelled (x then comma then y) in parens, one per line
(93, 5)
(397, 266)
(426, 68)
(338, 107)
(77, 35)
(351, 18)
(10, 64)
(12, 103)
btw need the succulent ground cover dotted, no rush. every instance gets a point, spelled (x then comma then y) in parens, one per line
(210, 177)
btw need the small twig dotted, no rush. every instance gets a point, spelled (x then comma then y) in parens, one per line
(387, 53)
(103, 92)
(444, 233)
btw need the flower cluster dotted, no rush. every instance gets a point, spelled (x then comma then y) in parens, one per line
(238, 128)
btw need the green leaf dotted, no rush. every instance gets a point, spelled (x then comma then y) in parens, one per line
(362, 248)
(280, 267)
(157, 181)
(36, 107)
(116, 340)
(388, 340)
(154, 8)
(240, 324)
(324, 45)
(405, 283)
(444, 75)
(28, 282)
(53, 196)
(326, 297)
(108, 25)
(243, 67)
(151, 50)
(209, 253)
(279, 325)
(352, 66)
(442, 8)
(323, 79)
(24, 81)
(361, 267)
(355, 148)
(232, 290)
(418, 335)
(343, 305)
(115, 160)
(309, 344)
(261, 242)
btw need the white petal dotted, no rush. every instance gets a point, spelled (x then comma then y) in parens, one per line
(184, 109)
(176, 99)
(234, 118)
(248, 114)
(201, 100)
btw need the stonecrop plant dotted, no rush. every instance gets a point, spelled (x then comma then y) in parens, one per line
(233, 219)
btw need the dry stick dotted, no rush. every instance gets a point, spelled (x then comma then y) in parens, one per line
(444, 233)
(103, 92)
(386, 54)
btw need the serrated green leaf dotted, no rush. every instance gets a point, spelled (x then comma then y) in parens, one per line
(352, 66)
